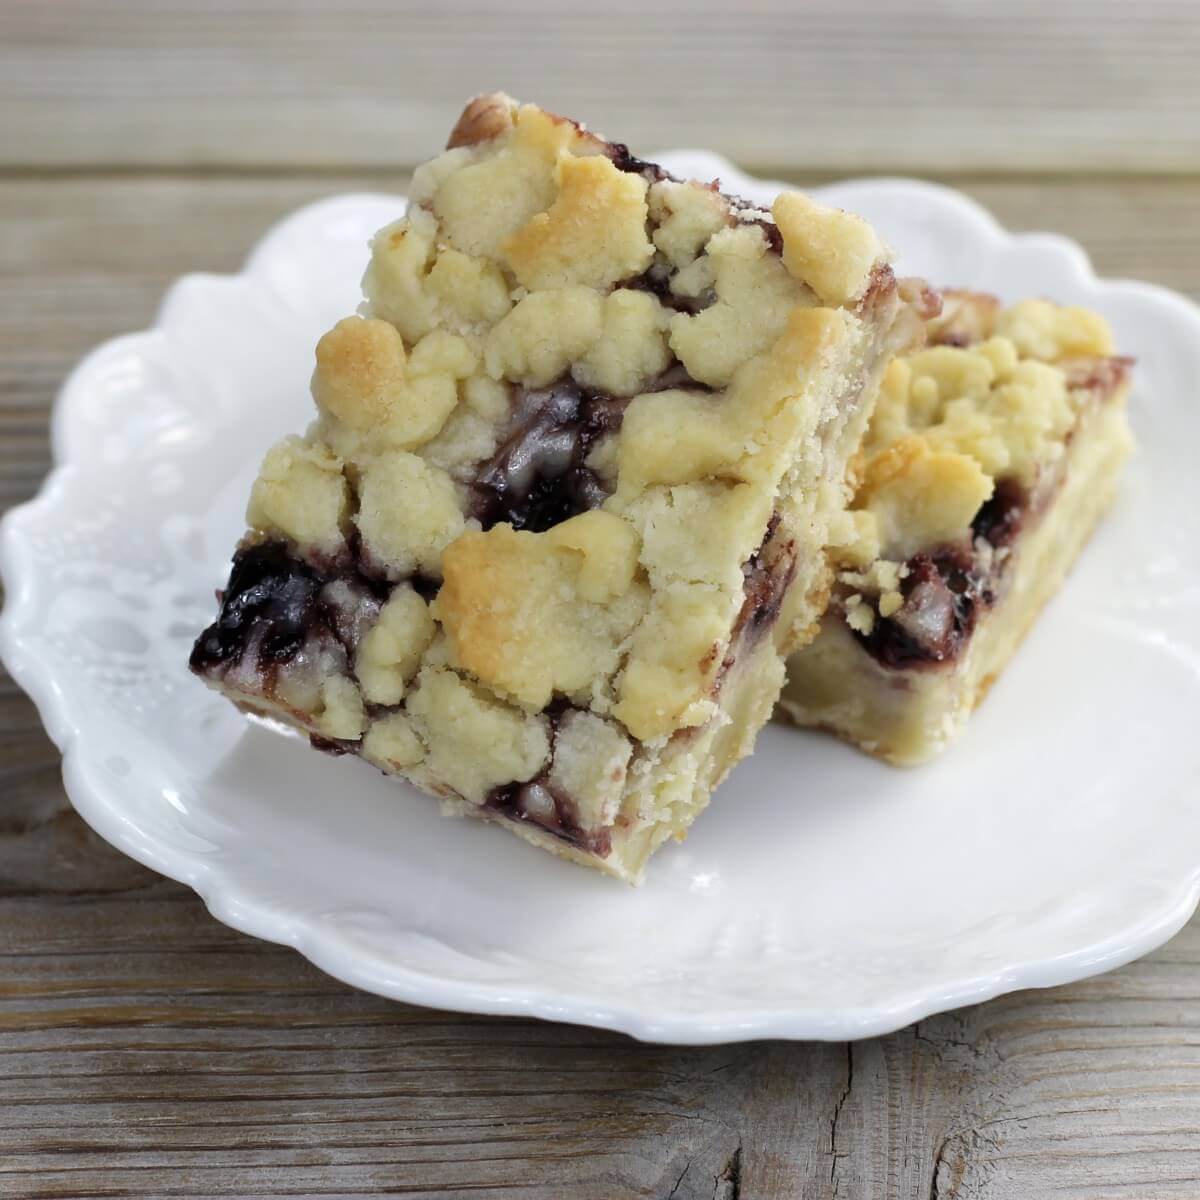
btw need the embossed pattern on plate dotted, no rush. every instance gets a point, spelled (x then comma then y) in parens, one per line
(822, 895)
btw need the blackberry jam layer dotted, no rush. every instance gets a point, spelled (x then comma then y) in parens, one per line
(946, 591)
(539, 804)
(271, 603)
(1003, 514)
(944, 594)
(275, 604)
(539, 478)
(767, 575)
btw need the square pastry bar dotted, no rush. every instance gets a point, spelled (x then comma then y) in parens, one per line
(990, 457)
(568, 489)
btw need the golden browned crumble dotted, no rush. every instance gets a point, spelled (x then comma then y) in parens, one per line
(991, 455)
(992, 397)
(587, 428)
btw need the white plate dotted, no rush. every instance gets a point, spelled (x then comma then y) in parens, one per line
(822, 895)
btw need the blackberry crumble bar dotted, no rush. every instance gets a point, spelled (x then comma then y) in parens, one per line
(990, 457)
(567, 495)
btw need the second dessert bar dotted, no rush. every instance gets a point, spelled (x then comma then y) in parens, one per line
(990, 458)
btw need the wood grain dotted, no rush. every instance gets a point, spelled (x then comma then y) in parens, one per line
(147, 1050)
(909, 85)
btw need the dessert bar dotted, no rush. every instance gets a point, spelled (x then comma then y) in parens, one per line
(567, 495)
(989, 459)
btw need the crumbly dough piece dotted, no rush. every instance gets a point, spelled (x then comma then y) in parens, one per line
(991, 454)
(567, 496)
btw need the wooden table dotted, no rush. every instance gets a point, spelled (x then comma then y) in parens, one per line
(146, 1049)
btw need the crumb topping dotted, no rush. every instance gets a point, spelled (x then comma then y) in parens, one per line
(566, 365)
(964, 432)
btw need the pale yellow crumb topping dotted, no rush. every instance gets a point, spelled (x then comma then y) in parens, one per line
(517, 265)
(992, 402)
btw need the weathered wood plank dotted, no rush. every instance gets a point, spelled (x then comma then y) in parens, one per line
(150, 1047)
(911, 85)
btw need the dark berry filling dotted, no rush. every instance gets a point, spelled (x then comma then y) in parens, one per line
(538, 477)
(943, 595)
(271, 599)
(652, 173)
(769, 229)
(656, 280)
(946, 590)
(1001, 517)
(536, 803)
(334, 747)
(767, 575)
(275, 604)
(624, 161)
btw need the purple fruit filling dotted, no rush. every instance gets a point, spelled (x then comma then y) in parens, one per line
(943, 595)
(271, 599)
(767, 575)
(656, 280)
(536, 803)
(1001, 517)
(538, 477)
(770, 230)
(945, 590)
(275, 604)
(624, 161)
